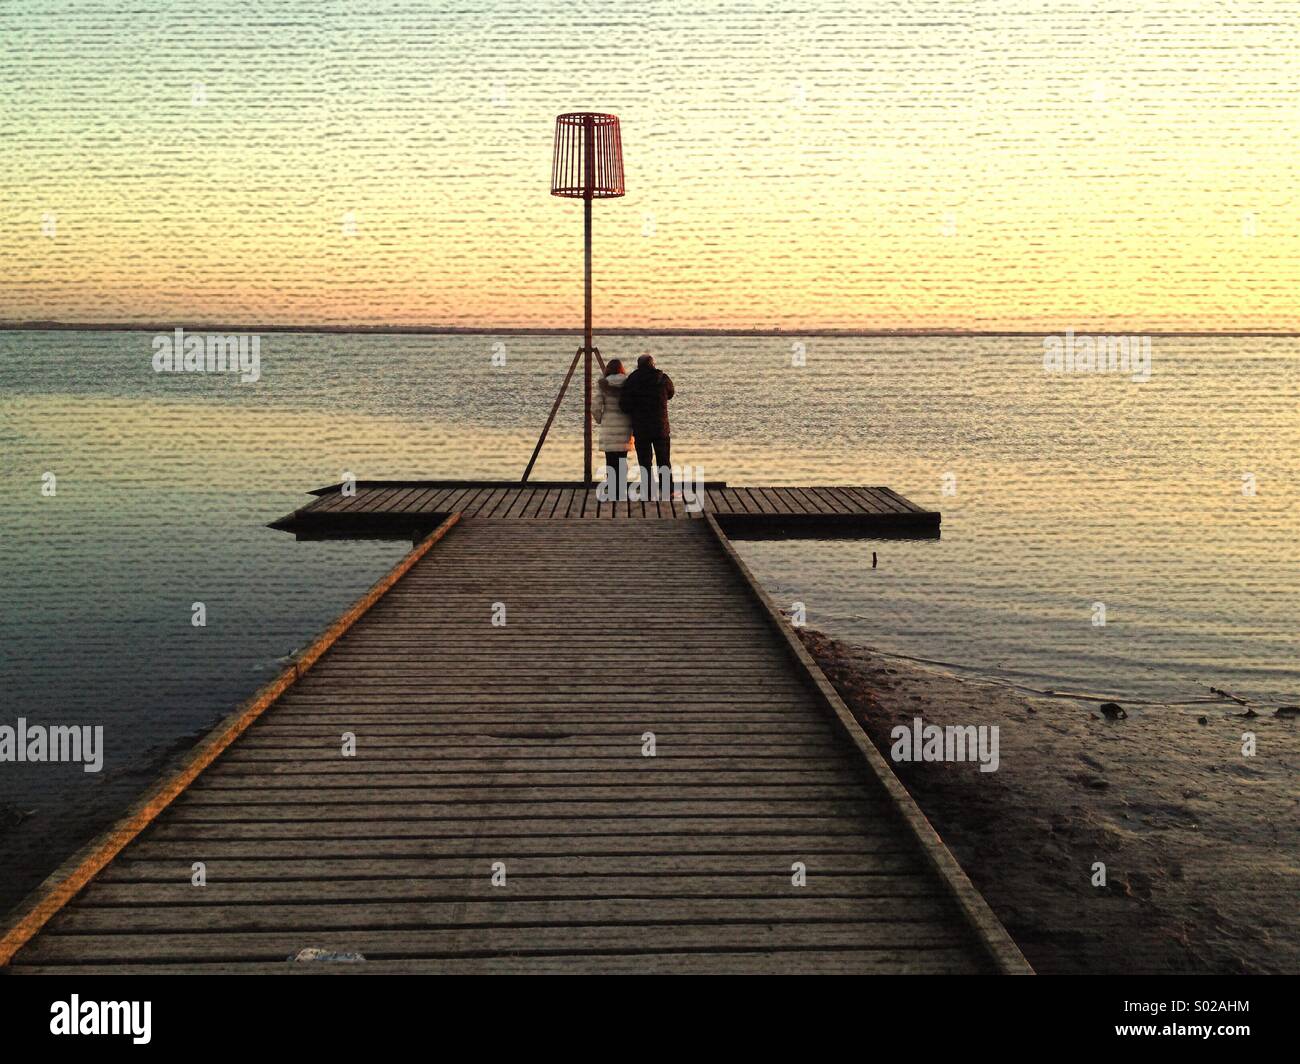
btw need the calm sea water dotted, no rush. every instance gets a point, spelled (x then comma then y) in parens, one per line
(1059, 493)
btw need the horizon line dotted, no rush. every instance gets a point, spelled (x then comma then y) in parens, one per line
(475, 330)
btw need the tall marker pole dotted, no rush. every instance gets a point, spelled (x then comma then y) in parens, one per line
(588, 184)
(587, 165)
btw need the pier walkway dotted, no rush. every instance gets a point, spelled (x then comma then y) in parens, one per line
(457, 777)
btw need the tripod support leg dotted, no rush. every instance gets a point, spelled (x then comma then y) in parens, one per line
(554, 407)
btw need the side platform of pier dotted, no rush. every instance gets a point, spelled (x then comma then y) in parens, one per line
(411, 508)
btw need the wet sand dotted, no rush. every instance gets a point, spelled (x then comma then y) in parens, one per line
(1201, 843)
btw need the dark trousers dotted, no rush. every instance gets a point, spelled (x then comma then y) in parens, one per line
(616, 474)
(661, 447)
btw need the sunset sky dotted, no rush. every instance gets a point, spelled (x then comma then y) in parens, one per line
(1002, 164)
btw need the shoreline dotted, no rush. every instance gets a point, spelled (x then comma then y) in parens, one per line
(1201, 842)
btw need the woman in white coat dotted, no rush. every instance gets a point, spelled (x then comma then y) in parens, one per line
(615, 426)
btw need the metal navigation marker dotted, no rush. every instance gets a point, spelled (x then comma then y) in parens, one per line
(587, 165)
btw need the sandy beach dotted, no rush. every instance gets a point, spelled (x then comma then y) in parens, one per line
(1201, 843)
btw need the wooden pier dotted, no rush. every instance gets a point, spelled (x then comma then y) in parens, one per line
(403, 508)
(505, 686)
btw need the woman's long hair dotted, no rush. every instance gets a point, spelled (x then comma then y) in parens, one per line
(614, 365)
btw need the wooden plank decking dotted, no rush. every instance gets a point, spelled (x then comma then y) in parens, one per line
(523, 744)
(411, 508)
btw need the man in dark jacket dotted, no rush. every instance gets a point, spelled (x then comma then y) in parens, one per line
(645, 401)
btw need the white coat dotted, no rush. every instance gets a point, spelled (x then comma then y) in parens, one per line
(615, 426)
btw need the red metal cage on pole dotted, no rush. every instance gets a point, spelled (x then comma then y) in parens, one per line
(575, 135)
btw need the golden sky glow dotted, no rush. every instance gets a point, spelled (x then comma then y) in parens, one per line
(1000, 164)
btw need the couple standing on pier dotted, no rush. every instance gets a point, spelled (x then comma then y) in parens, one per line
(633, 409)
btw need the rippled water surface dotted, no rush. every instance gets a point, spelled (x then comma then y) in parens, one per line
(1068, 491)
